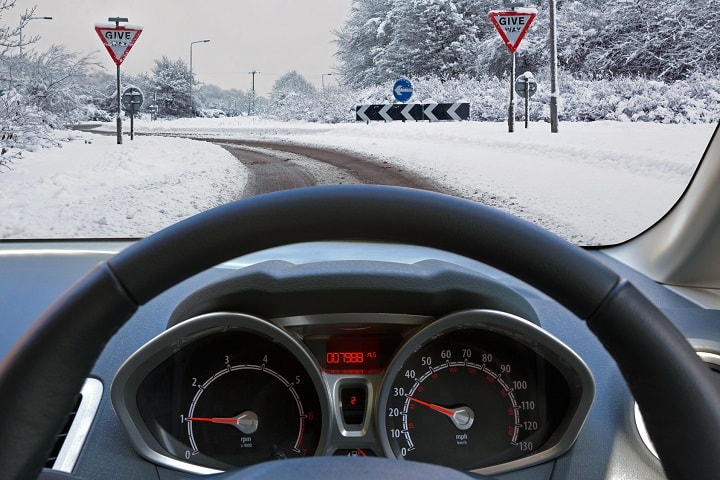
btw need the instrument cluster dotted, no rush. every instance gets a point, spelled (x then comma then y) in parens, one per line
(477, 390)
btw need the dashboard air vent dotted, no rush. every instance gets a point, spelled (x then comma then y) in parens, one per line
(70, 441)
(62, 436)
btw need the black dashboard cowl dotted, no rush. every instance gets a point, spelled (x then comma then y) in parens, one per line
(280, 289)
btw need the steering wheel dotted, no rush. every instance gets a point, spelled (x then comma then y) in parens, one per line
(42, 375)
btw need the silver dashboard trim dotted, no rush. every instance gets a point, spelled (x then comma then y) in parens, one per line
(91, 393)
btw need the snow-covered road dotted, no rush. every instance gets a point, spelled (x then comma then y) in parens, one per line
(591, 183)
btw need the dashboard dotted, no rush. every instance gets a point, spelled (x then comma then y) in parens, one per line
(473, 388)
(326, 337)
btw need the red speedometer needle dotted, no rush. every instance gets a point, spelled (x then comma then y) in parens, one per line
(461, 417)
(437, 408)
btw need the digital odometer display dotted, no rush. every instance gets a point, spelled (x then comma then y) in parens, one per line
(350, 354)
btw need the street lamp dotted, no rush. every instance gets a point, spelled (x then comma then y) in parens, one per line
(192, 103)
(253, 73)
(251, 105)
(21, 28)
(322, 78)
(553, 69)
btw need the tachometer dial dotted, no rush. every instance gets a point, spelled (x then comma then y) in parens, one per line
(466, 394)
(221, 391)
(249, 413)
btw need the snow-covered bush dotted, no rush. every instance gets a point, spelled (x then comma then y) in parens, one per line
(694, 100)
(212, 113)
(635, 99)
(23, 126)
(92, 113)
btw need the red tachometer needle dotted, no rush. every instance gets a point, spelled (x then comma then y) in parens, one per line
(247, 422)
(232, 420)
(437, 408)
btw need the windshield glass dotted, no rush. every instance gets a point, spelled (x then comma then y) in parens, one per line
(586, 118)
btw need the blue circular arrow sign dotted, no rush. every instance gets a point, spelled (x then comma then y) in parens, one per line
(403, 90)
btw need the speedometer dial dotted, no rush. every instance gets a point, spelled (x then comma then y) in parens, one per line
(467, 393)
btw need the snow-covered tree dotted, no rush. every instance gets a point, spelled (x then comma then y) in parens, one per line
(364, 37)
(292, 85)
(172, 82)
(46, 90)
(231, 102)
(293, 97)
(55, 81)
(664, 39)
(429, 37)
(100, 86)
(667, 40)
(22, 121)
(384, 39)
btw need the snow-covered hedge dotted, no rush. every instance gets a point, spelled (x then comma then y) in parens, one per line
(695, 100)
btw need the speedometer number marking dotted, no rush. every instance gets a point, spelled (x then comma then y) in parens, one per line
(469, 398)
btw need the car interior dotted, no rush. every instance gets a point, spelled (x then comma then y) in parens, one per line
(376, 331)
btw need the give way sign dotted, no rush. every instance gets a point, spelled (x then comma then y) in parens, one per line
(118, 40)
(512, 25)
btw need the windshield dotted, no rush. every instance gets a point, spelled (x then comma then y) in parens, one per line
(586, 118)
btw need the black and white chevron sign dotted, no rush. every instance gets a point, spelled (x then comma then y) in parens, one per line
(434, 112)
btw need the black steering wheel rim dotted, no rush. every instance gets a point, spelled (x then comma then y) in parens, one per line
(659, 365)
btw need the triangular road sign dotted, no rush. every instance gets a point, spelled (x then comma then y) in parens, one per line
(118, 40)
(512, 25)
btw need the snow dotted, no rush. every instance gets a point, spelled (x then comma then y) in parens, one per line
(101, 189)
(591, 183)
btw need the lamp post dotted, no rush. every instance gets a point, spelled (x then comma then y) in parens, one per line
(553, 70)
(21, 28)
(251, 106)
(322, 78)
(192, 103)
(253, 73)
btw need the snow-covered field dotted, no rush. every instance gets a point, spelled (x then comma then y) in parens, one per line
(591, 183)
(101, 189)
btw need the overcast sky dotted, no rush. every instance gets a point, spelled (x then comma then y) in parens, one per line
(272, 37)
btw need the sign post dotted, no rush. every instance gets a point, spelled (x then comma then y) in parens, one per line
(132, 100)
(511, 107)
(512, 25)
(526, 86)
(118, 41)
